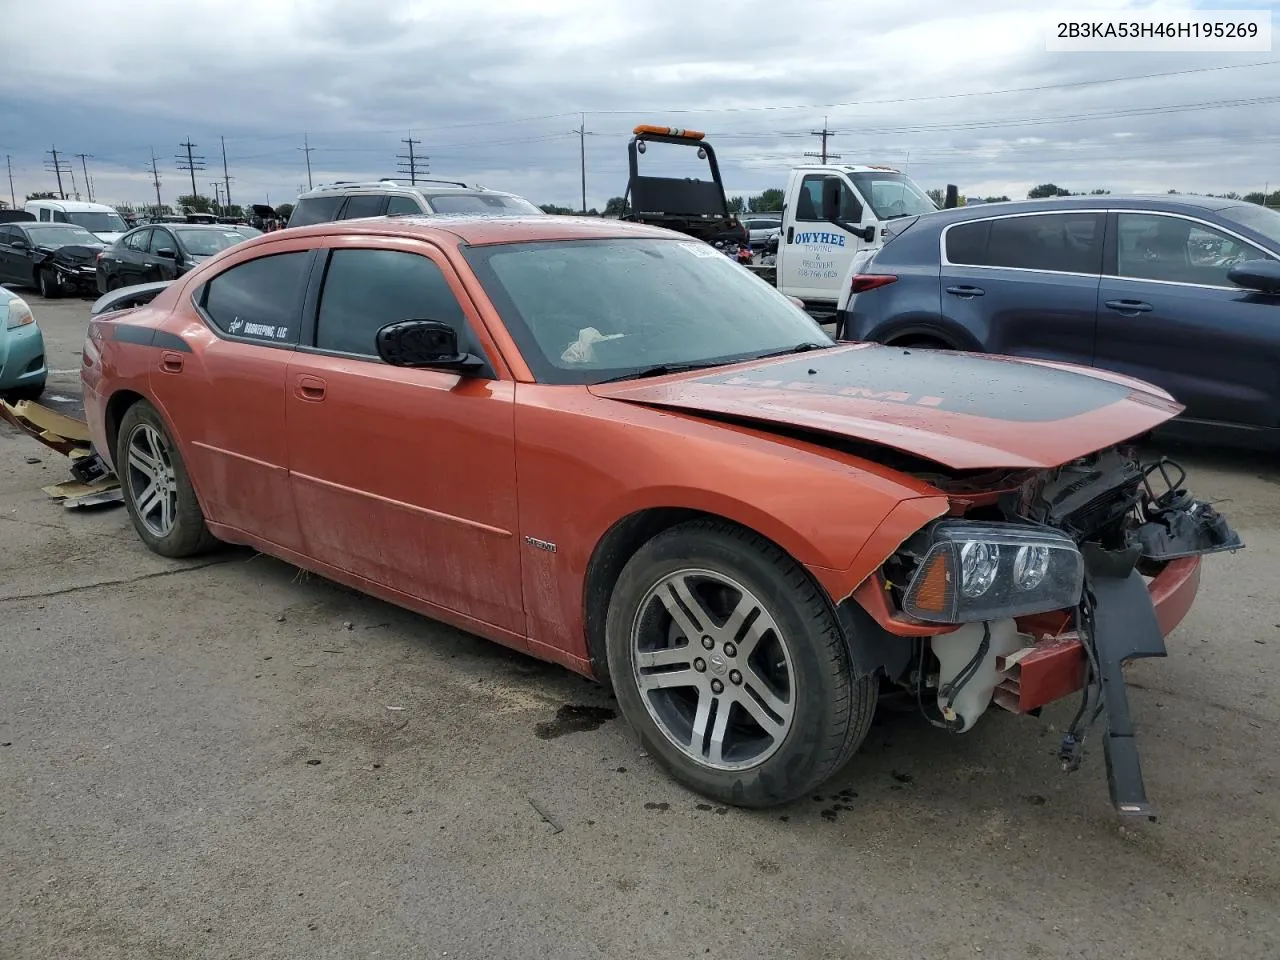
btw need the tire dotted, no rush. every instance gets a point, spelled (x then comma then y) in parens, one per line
(793, 711)
(923, 343)
(48, 285)
(30, 391)
(170, 522)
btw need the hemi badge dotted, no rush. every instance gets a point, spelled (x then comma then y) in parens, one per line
(546, 545)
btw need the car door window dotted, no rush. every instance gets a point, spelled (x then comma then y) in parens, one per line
(138, 242)
(364, 205)
(1057, 242)
(160, 240)
(1177, 250)
(809, 201)
(364, 290)
(45, 215)
(7, 234)
(402, 205)
(259, 299)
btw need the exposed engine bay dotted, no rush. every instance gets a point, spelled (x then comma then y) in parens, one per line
(1080, 541)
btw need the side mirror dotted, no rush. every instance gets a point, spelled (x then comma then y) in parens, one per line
(167, 253)
(424, 343)
(832, 191)
(1260, 275)
(19, 243)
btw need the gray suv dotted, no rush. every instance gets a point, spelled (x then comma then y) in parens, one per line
(349, 200)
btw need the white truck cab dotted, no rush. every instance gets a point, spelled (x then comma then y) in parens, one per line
(102, 221)
(831, 213)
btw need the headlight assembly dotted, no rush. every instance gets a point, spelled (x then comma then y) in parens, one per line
(19, 314)
(993, 571)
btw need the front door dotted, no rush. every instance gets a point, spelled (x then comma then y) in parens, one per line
(1168, 314)
(1026, 285)
(815, 254)
(406, 476)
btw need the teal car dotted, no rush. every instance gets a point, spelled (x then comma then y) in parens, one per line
(22, 365)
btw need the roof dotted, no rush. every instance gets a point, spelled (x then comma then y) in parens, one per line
(480, 230)
(1167, 202)
(216, 227)
(73, 206)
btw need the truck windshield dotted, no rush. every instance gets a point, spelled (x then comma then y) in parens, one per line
(584, 311)
(99, 222)
(892, 195)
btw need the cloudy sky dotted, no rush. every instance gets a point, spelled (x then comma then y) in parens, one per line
(959, 93)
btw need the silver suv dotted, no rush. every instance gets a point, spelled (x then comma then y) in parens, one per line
(349, 200)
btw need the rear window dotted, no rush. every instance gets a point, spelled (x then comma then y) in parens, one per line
(1058, 242)
(490, 203)
(315, 210)
(364, 205)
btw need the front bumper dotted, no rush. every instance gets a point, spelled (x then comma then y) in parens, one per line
(22, 358)
(1053, 666)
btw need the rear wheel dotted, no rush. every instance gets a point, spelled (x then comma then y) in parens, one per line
(923, 343)
(157, 491)
(729, 663)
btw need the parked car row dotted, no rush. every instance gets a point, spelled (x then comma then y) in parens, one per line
(55, 258)
(1179, 291)
(352, 200)
(163, 252)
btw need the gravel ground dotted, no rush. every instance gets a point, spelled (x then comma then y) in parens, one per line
(230, 758)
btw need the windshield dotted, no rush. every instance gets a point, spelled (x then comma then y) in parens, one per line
(892, 195)
(247, 230)
(99, 222)
(1257, 218)
(205, 243)
(583, 311)
(60, 235)
(494, 204)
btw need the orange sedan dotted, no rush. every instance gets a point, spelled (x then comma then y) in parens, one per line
(613, 448)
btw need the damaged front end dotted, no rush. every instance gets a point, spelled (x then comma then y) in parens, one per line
(75, 267)
(1045, 588)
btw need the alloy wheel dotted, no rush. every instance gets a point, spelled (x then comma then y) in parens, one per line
(713, 669)
(153, 484)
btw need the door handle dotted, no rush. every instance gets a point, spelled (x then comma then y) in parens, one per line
(1128, 306)
(965, 290)
(791, 232)
(309, 388)
(170, 362)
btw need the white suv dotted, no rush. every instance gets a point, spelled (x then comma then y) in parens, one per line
(347, 200)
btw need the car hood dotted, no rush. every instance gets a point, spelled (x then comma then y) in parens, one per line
(75, 254)
(965, 411)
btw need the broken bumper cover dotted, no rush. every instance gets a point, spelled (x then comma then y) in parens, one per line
(1054, 667)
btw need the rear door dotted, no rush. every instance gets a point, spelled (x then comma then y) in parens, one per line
(130, 256)
(1026, 285)
(159, 267)
(412, 471)
(1169, 315)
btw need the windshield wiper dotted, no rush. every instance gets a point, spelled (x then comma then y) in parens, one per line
(662, 369)
(798, 348)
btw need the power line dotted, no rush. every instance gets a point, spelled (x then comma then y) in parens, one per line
(88, 184)
(410, 162)
(190, 164)
(58, 168)
(825, 134)
(306, 148)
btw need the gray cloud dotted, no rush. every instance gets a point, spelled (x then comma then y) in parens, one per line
(495, 91)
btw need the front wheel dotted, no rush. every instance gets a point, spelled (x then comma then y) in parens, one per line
(728, 662)
(157, 491)
(47, 282)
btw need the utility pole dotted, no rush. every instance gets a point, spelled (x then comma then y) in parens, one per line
(582, 155)
(75, 191)
(226, 178)
(307, 148)
(58, 167)
(88, 185)
(155, 178)
(13, 198)
(190, 163)
(825, 134)
(410, 161)
(217, 196)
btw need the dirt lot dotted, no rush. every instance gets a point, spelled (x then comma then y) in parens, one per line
(229, 759)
